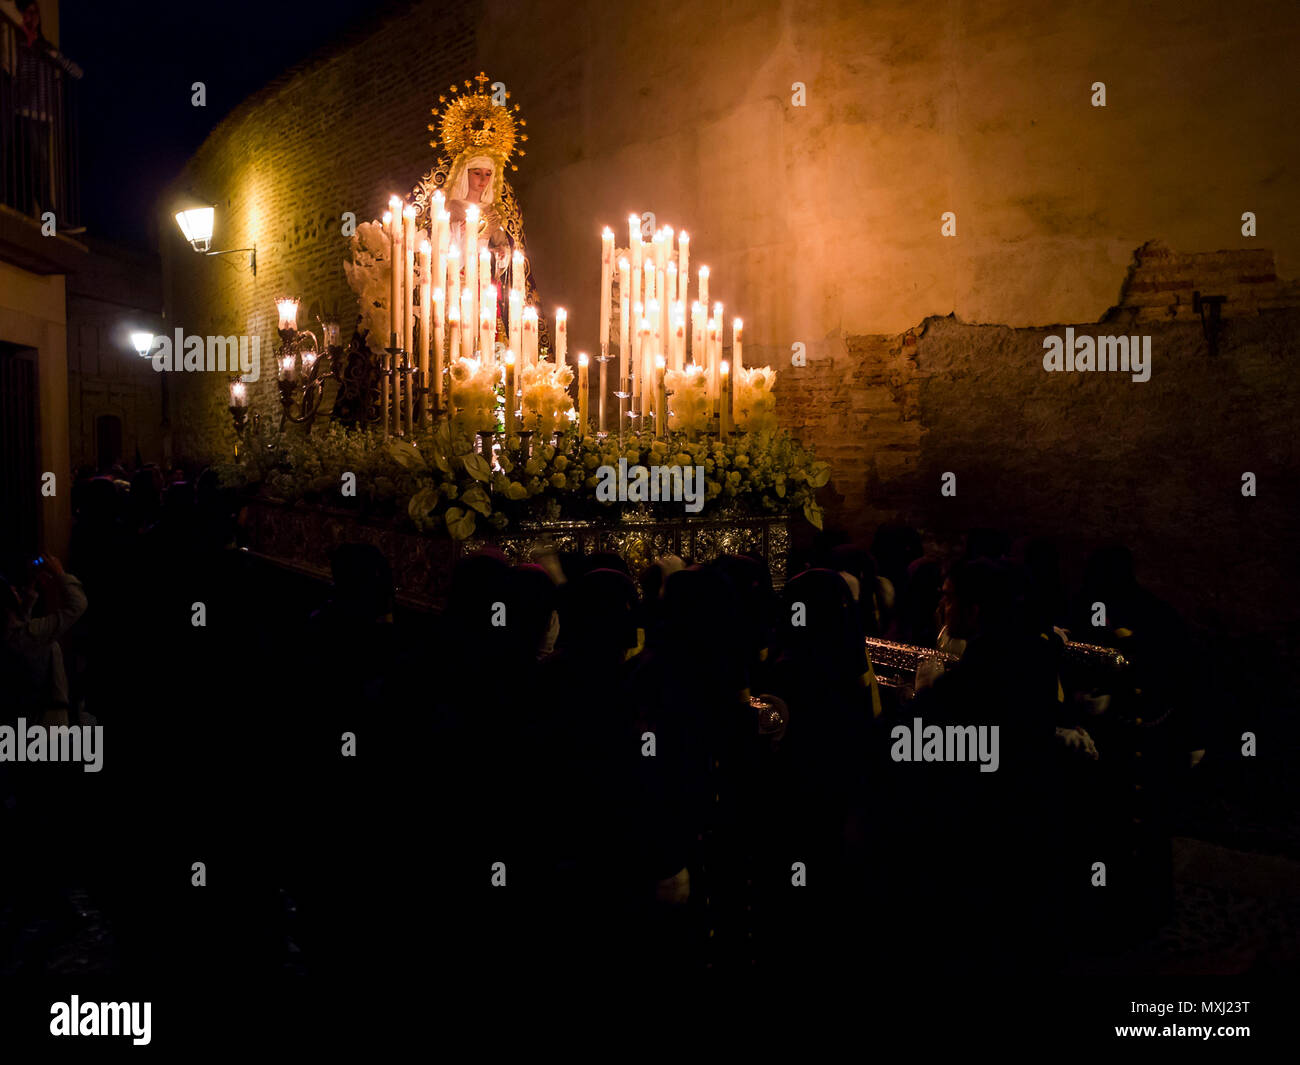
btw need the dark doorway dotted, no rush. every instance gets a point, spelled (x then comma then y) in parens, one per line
(19, 478)
(108, 441)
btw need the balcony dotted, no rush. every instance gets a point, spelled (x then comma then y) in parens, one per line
(39, 170)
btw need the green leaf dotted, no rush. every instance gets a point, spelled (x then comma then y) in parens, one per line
(476, 496)
(406, 455)
(813, 512)
(460, 523)
(477, 467)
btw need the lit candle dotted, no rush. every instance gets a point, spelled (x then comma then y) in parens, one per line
(393, 224)
(487, 320)
(484, 297)
(624, 308)
(287, 369)
(471, 258)
(517, 275)
(426, 308)
(661, 398)
(516, 340)
(238, 394)
(684, 265)
(582, 394)
(453, 338)
(510, 392)
(643, 384)
(648, 283)
(737, 332)
(656, 328)
(662, 292)
(606, 285)
(670, 294)
(434, 384)
(711, 346)
(698, 355)
(453, 284)
(634, 248)
(438, 232)
(724, 402)
(308, 361)
(467, 337)
(704, 287)
(408, 251)
(530, 336)
(679, 335)
(561, 335)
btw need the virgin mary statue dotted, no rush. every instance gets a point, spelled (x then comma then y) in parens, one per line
(477, 136)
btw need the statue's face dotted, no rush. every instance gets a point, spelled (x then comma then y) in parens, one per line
(479, 179)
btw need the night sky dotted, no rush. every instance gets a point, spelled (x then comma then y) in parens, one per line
(138, 126)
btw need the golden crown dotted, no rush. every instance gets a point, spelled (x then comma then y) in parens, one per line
(471, 122)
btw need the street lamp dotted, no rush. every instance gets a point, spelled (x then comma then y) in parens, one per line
(197, 224)
(142, 342)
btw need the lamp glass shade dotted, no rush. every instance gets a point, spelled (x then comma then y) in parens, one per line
(287, 307)
(142, 342)
(196, 223)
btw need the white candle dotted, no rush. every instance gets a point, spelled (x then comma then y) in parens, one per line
(670, 301)
(516, 340)
(238, 394)
(582, 393)
(453, 330)
(634, 249)
(408, 288)
(606, 285)
(484, 297)
(698, 355)
(530, 336)
(624, 308)
(711, 345)
(679, 336)
(661, 398)
(656, 328)
(561, 335)
(704, 287)
(648, 282)
(643, 358)
(662, 255)
(471, 257)
(485, 339)
(684, 266)
(467, 323)
(426, 308)
(724, 402)
(393, 295)
(737, 332)
(510, 391)
(439, 336)
(453, 282)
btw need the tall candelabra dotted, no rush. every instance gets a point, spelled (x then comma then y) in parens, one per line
(304, 363)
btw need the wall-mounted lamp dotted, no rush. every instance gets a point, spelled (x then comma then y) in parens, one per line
(197, 224)
(142, 342)
(1209, 326)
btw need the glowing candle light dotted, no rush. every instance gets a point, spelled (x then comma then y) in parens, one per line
(408, 303)
(287, 368)
(392, 226)
(582, 393)
(238, 394)
(426, 307)
(684, 266)
(467, 323)
(530, 335)
(661, 398)
(453, 283)
(606, 285)
(634, 249)
(510, 391)
(471, 257)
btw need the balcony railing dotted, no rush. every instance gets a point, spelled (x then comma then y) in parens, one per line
(38, 129)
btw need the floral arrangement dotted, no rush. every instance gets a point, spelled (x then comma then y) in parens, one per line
(440, 484)
(754, 403)
(369, 275)
(473, 397)
(690, 409)
(546, 400)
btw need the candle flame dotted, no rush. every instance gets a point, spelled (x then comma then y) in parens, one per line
(582, 358)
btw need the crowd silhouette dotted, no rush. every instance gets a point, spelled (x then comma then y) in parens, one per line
(576, 765)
